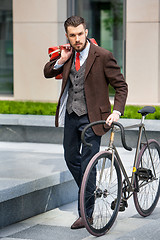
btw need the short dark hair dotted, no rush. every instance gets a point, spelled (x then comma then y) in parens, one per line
(74, 21)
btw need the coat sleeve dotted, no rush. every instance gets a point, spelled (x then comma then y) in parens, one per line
(49, 70)
(116, 79)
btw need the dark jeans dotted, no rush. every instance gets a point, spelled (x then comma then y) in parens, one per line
(77, 158)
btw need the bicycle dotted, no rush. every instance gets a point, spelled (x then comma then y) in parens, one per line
(103, 193)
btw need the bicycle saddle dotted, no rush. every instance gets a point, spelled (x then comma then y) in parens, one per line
(146, 110)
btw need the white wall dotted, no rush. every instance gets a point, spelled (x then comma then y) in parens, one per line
(37, 25)
(142, 51)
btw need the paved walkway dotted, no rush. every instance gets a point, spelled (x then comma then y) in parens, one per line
(55, 224)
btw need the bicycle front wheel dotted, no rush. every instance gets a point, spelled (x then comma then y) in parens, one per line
(148, 175)
(100, 193)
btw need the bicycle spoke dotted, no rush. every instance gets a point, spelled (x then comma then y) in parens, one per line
(102, 192)
(149, 189)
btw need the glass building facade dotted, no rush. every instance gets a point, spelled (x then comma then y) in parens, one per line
(6, 48)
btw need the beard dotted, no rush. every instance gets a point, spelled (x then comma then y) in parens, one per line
(78, 46)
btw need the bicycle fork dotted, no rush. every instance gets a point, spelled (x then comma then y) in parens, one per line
(115, 154)
(112, 160)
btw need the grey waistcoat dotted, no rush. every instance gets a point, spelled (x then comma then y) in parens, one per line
(76, 97)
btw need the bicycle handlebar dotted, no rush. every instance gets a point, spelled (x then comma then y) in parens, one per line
(104, 122)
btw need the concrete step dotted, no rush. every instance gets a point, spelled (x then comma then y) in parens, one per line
(55, 224)
(33, 180)
(41, 129)
(29, 128)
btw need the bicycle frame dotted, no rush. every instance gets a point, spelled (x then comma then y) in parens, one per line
(130, 183)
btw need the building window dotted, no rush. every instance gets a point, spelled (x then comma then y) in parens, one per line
(6, 48)
(105, 22)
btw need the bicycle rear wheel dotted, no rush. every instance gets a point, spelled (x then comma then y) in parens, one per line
(148, 174)
(101, 186)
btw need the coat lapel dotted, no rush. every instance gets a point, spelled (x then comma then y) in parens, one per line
(91, 58)
(66, 71)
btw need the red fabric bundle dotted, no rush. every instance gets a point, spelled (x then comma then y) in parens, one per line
(55, 53)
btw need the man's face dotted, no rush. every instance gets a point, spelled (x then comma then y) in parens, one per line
(77, 37)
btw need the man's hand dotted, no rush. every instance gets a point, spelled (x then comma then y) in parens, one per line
(114, 117)
(65, 54)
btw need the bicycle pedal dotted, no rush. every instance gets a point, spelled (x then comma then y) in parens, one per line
(144, 174)
(122, 207)
(113, 204)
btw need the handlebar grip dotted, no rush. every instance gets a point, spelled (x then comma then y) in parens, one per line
(88, 126)
(104, 122)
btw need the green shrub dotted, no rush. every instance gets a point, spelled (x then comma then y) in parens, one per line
(32, 108)
(132, 112)
(41, 108)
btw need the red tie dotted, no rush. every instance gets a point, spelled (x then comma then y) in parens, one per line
(77, 63)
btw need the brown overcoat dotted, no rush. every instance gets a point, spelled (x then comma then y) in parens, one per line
(101, 70)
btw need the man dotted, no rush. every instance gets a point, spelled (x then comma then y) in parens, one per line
(87, 72)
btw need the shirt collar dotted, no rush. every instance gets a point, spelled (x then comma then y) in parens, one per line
(84, 53)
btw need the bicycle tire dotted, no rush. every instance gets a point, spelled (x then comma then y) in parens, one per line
(146, 199)
(100, 193)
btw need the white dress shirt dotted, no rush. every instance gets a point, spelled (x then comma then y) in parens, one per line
(83, 56)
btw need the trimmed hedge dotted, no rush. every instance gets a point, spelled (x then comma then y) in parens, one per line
(41, 108)
(132, 112)
(32, 108)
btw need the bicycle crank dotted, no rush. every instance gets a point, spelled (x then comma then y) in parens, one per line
(122, 207)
